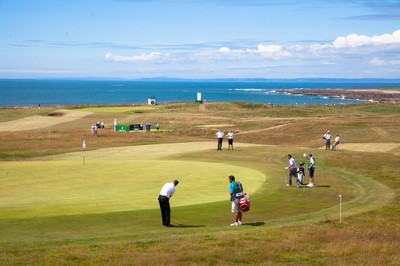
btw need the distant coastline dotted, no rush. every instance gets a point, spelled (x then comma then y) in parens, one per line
(372, 95)
(70, 92)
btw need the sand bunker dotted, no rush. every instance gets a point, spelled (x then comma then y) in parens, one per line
(37, 122)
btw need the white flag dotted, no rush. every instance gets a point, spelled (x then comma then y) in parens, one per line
(84, 144)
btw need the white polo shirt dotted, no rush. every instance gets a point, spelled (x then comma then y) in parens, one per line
(168, 190)
(327, 136)
(220, 134)
(292, 164)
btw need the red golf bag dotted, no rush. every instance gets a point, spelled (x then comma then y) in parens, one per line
(244, 203)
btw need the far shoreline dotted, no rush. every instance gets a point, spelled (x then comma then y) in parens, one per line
(371, 95)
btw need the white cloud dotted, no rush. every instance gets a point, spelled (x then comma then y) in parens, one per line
(273, 51)
(154, 57)
(340, 49)
(380, 62)
(329, 63)
(355, 40)
(266, 51)
(224, 50)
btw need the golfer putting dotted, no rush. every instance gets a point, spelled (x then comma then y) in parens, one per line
(165, 194)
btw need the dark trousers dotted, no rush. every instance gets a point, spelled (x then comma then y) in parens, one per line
(292, 172)
(328, 144)
(165, 209)
(219, 143)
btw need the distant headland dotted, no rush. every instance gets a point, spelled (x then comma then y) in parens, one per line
(373, 95)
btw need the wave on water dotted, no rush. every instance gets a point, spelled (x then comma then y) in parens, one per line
(250, 89)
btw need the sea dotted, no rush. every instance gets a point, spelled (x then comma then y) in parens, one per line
(61, 92)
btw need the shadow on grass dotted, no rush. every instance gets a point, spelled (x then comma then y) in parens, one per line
(255, 224)
(187, 226)
(321, 186)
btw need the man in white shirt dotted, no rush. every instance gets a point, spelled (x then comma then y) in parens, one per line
(220, 135)
(230, 139)
(165, 194)
(327, 137)
(292, 172)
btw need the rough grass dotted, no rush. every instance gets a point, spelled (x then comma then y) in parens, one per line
(285, 226)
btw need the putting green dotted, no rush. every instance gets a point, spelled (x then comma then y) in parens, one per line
(115, 179)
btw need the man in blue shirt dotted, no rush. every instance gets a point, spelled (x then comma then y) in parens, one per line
(236, 191)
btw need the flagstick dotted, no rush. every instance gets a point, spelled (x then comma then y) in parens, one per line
(340, 208)
(84, 150)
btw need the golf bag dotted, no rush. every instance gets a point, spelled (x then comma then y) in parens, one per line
(300, 173)
(244, 203)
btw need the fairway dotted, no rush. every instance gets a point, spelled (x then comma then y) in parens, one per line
(114, 179)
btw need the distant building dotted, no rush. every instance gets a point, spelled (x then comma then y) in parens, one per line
(199, 100)
(151, 101)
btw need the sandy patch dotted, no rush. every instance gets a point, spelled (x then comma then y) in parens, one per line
(368, 147)
(217, 126)
(263, 129)
(37, 122)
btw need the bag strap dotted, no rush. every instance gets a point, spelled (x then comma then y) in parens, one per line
(240, 186)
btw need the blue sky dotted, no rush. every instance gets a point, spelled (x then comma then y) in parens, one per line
(199, 39)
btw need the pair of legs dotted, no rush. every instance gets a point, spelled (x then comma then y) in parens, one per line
(328, 144)
(237, 211)
(238, 216)
(311, 171)
(165, 210)
(219, 144)
(334, 146)
(292, 173)
(230, 144)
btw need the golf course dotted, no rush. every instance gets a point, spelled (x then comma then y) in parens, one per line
(65, 204)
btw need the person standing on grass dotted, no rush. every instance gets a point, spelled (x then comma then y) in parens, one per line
(327, 137)
(230, 139)
(236, 191)
(311, 168)
(220, 135)
(165, 194)
(93, 129)
(336, 142)
(292, 171)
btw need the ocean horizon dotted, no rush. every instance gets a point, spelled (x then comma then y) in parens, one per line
(54, 92)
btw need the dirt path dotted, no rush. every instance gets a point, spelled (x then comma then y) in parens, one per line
(263, 129)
